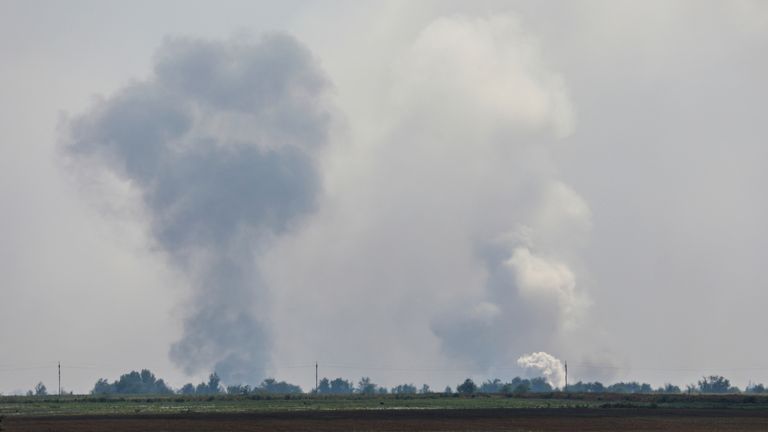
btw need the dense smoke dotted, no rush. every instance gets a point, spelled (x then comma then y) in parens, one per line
(452, 241)
(522, 223)
(445, 236)
(220, 145)
(545, 365)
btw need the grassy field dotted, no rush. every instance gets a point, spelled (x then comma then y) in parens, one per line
(13, 406)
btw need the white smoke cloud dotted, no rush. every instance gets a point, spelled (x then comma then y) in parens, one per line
(479, 85)
(487, 73)
(418, 234)
(546, 281)
(545, 365)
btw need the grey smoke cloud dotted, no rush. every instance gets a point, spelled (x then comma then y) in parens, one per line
(220, 144)
(668, 149)
(456, 203)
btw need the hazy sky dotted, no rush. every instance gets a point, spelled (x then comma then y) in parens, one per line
(411, 191)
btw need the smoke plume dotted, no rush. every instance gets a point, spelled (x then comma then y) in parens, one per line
(450, 240)
(545, 365)
(524, 225)
(443, 233)
(220, 146)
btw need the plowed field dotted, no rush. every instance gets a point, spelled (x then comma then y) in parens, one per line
(568, 419)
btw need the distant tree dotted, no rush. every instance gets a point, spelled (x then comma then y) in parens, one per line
(516, 381)
(238, 389)
(187, 389)
(40, 389)
(324, 386)
(214, 383)
(714, 384)
(755, 388)
(668, 388)
(404, 389)
(523, 387)
(341, 386)
(491, 386)
(383, 390)
(270, 385)
(540, 385)
(213, 386)
(143, 382)
(129, 383)
(467, 387)
(337, 386)
(629, 387)
(365, 386)
(102, 386)
(448, 390)
(424, 389)
(588, 387)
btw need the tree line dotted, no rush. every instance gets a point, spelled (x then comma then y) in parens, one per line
(713, 384)
(145, 382)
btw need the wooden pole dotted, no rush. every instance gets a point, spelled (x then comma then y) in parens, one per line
(566, 376)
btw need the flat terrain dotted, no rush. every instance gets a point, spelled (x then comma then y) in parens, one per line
(554, 412)
(523, 419)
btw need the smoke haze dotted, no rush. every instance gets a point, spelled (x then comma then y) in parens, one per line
(221, 144)
(417, 192)
(453, 228)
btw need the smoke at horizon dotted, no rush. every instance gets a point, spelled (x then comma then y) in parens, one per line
(220, 146)
(456, 203)
(545, 365)
(453, 243)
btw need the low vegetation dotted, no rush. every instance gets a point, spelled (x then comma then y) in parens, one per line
(146, 383)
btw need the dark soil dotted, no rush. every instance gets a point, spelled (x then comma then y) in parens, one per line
(614, 419)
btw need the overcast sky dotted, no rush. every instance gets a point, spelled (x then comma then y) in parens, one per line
(411, 191)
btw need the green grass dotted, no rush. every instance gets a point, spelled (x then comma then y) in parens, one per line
(95, 405)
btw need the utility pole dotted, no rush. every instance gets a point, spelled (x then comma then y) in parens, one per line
(59, 379)
(566, 376)
(316, 389)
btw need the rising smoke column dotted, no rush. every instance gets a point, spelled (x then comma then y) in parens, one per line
(498, 110)
(220, 144)
(451, 240)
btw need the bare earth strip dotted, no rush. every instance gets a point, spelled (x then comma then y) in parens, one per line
(581, 419)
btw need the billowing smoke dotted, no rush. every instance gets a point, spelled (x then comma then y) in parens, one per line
(545, 365)
(451, 239)
(525, 225)
(220, 145)
(444, 234)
